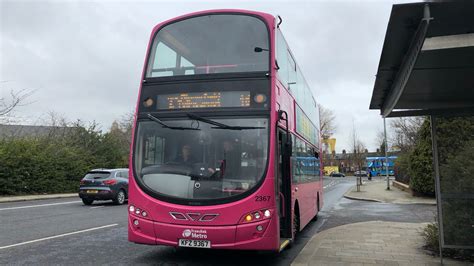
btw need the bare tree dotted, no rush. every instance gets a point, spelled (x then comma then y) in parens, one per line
(327, 122)
(57, 125)
(14, 100)
(380, 141)
(126, 125)
(359, 151)
(405, 131)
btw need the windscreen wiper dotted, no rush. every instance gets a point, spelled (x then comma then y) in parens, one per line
(219, 125)
(170, 127)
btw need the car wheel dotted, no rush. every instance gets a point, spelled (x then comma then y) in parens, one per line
(87, 201)
(120, 197)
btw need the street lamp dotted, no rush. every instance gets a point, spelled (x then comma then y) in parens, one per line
(386, 157)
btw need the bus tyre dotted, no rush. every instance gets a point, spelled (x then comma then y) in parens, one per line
(296, 224)
(120, 197)
(315, 218)
(87, 201)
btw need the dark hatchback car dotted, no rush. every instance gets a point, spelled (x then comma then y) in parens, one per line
(337, 174)
(104, 184)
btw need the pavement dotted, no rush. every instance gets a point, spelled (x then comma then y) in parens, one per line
(377, 191)
(373, 242)
(36, 197)
(369, 243)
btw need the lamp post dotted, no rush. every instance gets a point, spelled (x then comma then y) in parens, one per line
(386, 157)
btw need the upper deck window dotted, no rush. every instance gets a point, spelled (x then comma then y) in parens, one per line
(210, 44)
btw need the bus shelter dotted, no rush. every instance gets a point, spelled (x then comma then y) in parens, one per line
(427, 69)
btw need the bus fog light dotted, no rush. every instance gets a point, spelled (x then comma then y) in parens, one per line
(267, 213)
(144, 214)
(259, 228)
(131, 208)
(135, 222)
(257, 215)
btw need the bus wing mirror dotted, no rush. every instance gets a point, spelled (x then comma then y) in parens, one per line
(282, 115)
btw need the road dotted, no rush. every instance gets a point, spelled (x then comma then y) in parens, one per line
(64, 231)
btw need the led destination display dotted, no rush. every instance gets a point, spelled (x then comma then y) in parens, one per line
(203, 100)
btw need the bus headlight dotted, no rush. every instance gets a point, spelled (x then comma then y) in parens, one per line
(138, 211)
(256, 216)
(267, 213)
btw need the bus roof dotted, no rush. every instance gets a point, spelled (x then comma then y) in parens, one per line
(267, 17)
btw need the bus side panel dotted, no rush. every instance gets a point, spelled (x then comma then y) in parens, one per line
(306, 196)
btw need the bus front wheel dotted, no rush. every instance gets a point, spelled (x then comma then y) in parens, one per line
(296, 222)
(315, 218)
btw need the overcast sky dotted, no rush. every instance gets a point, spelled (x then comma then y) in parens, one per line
(83, 60)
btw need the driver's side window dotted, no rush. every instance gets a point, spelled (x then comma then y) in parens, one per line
(154, 149)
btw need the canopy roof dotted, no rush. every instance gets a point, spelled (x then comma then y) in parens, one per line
(427, 61)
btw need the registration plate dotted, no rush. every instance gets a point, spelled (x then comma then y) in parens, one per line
(191, 243)
(92, 191)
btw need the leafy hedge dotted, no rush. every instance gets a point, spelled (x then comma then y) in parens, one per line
(56, 163)
(401, 167)
(421, 163)
(454, 136)
(456, 157)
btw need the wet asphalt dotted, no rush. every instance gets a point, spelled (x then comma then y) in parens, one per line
(31, 224)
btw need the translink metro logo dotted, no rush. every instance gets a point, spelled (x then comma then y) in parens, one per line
(200, 233)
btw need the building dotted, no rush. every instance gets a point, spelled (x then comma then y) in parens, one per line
(28, 131)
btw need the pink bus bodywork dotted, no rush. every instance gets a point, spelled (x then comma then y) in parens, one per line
(224, 224)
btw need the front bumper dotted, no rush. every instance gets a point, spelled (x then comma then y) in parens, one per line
(241, 236)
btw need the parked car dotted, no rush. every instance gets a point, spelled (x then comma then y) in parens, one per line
(337, 174)
(104, 184)
(360, 173)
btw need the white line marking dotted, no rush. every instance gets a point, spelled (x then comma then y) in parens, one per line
(41, 205)
(97, 207)
(332, 183)
(57, 236)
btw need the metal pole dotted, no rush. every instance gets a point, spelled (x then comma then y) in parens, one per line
(434, 144)
(386, 156)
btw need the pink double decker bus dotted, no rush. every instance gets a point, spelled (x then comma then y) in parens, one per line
(225, 149)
